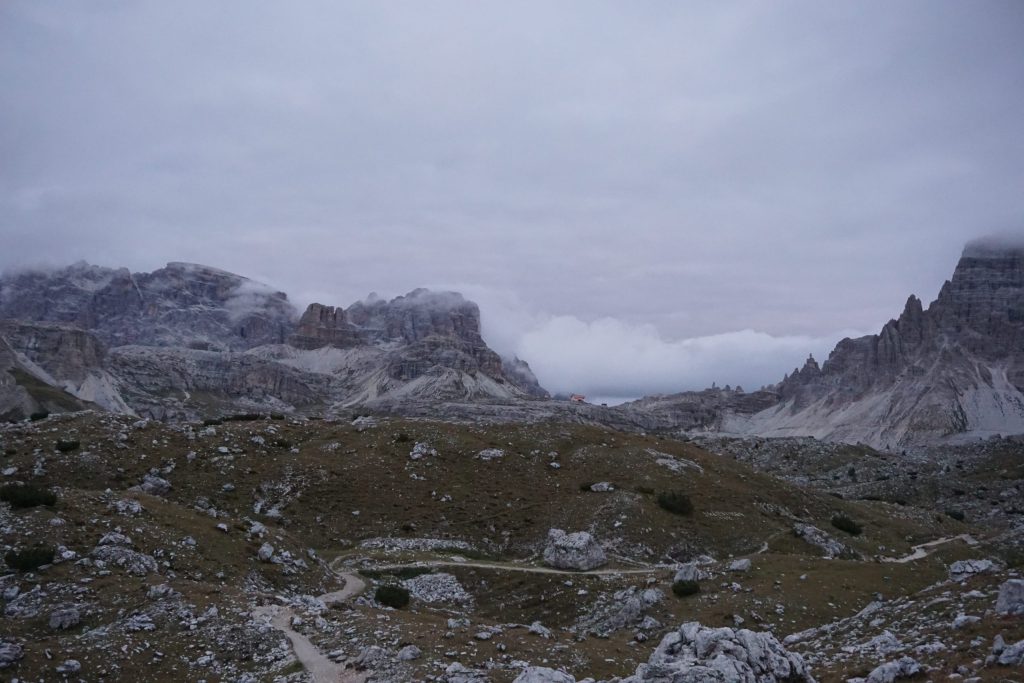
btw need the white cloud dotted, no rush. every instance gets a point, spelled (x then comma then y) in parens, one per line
(611, 358)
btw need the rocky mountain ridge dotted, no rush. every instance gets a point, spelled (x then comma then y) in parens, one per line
(188, 340)
(953, 370)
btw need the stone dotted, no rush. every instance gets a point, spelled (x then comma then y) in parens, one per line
(421, 450)
(964, 569)
(830, 547)
(1010, 655)
(577, 551)
(1011, 598)
(437, 588)
(490, 454)
(695, 653)
(539, 629)
(740, 565)
(904, 667)
(602, 487)
(265, 552)
(65, 618)
(689, 572)
(116, 549)
(542, 674)
(70, 666)
(10, 653)
(457, 673)
(409, 653)
(155, 486)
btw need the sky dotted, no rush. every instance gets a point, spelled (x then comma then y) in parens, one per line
(643, 197)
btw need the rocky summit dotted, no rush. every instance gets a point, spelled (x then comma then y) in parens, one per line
(953, 371)
(190, 340)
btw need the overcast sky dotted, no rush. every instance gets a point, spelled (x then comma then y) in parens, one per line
(643, 196)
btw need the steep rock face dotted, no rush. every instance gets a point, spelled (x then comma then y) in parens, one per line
(952, 370)
(179, 305)
(424, 331)
(189, 341)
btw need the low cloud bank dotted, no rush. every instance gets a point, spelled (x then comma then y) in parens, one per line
(617, 360)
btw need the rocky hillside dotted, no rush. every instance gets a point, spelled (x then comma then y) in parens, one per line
(253, 550)
(189, 340)
(951, 371)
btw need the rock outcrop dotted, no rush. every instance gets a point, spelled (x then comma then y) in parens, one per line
(697, 654)
(578, 551)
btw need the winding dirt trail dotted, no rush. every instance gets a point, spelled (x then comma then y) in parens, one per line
(320, 668)
(924, 549)
(511, 567)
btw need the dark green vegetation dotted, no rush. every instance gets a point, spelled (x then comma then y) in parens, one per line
(676, 502)
(846, 523)
(67, 445)
(26, 495)
(685, 588)
(392, 596)
(29, 559)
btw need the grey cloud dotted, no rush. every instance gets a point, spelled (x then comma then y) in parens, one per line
(794, 168)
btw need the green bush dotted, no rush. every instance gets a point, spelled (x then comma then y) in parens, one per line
(212, 422)
(958, 515)
(281, 443)
(67, 445)
(645, 490)
(243, 417)
(29, 559)
(684, 588)
(26, 495)
(392, 596)
(676, 502)
(402, 438)
(277, 416)
(844, 523)
(41, 415)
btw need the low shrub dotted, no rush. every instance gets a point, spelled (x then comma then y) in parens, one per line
(685, 588)
(844, 523)
(243, 417)
(958, 515)
(29, 559)
(645, 490)
(281, 443)
(41, 415)
(212, 422)
(392, 596)
(67, 445)
(26, 495)
(411, 572)
(277, 416)
(402, 438)
(676, 502)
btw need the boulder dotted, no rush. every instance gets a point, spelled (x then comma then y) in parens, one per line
(689, 572)
(694, 653)
(830, 547)
(904, 667)
(740, 565)
(1011, 597)
(409, 653)
(964, 569)
(265, 552)
(10, 653)
(65, 618)
(542, 674)
(577, 551)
